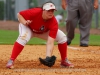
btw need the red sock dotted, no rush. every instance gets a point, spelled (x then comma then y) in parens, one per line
(63, 50)
(17, 48)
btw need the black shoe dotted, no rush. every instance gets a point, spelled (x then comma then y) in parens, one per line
(83, 45)
(68, 42)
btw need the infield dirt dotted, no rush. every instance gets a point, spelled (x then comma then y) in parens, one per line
(86, 61)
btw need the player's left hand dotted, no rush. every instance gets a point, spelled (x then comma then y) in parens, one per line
(27, 22)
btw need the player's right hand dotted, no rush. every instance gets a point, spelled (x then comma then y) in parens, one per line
(27, 22)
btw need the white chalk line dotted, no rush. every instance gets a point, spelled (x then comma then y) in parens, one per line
(84, 50)
(74, 48)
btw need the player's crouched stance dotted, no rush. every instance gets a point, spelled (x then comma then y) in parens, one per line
(41, 23)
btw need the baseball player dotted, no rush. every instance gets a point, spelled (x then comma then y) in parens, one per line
(79, 11)
(41, 23)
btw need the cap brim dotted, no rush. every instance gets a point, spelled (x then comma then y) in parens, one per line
(51, 9)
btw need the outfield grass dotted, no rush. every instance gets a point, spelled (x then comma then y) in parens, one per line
(9, 37)
(93, 40)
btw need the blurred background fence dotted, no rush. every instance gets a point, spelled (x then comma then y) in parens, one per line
(10, 8)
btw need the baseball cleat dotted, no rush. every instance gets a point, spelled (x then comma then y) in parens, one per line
(84, 45)
(10, 64)
(67, 64)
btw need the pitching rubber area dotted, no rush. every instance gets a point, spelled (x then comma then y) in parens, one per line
(85, 59)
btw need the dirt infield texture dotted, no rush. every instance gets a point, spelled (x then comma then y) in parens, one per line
(85, 59)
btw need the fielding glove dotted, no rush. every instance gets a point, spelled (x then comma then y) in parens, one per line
(48, 61)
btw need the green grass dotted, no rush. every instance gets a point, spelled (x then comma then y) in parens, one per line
(9, 37)
(93, 40)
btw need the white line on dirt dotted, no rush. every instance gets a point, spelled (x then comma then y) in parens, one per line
(84, 50)
(74, 48)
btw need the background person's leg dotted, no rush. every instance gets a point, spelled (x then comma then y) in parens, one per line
(72, 19)
(86, 11)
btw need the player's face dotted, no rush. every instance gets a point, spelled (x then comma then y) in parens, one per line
(49, 13)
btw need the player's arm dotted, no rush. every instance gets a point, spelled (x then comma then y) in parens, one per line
(49, 46)
(51, 38)
(49, 60)
(22, 20)
(96, 4)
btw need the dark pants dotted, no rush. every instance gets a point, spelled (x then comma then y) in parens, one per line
(79, 12)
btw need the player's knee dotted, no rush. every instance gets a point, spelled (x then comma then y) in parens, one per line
(62, 40)
(22, 40)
